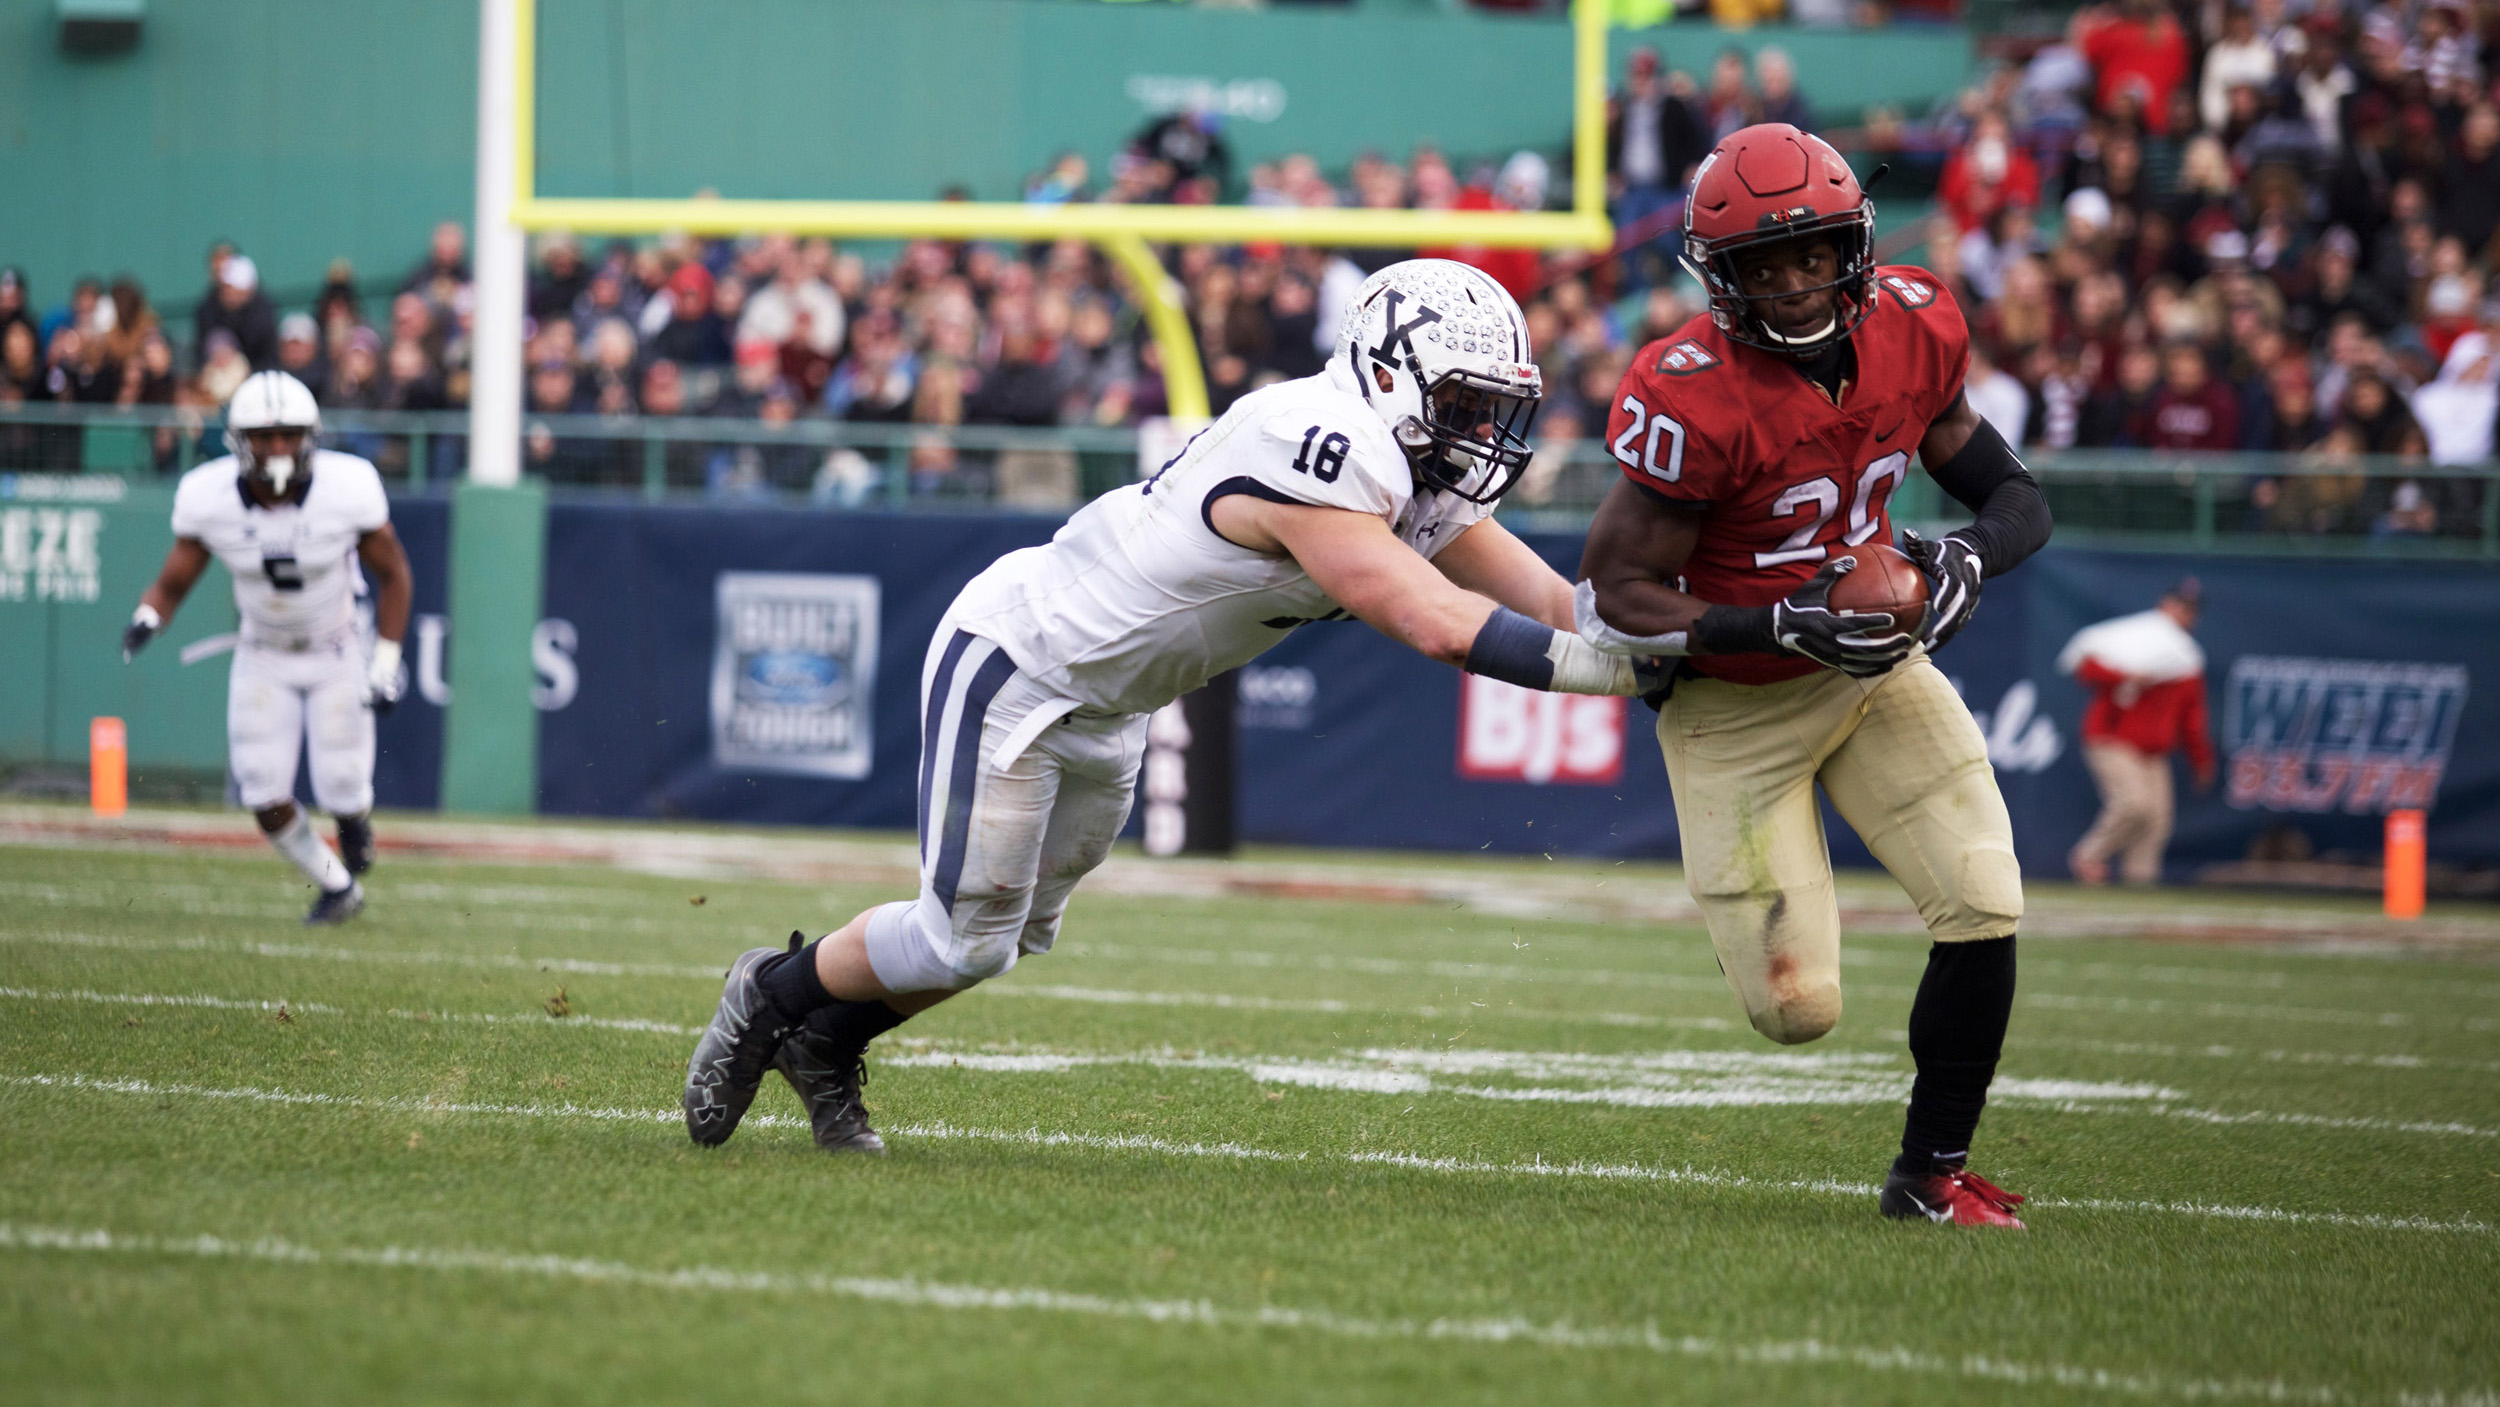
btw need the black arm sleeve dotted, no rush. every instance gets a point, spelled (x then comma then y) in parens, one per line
(1987, 479)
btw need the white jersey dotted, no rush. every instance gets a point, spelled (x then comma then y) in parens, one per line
(1139, 600)
(294, 566)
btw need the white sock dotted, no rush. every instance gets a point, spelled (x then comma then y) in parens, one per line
(297, 842)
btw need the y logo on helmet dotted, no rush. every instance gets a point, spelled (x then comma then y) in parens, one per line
(1911, 292)
(1401, 336)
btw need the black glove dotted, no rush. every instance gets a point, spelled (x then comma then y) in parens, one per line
(1855, 643)
(144, 623)
(1954, 575)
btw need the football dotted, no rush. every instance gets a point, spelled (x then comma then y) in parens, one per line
(1884, 581)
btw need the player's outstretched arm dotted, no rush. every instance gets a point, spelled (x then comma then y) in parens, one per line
(184, 562)
(1490, 560)
(394, 590)
(1365, 568)
(1968, 459)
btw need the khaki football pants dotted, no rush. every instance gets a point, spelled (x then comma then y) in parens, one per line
(1902, 762)
(2134, 823)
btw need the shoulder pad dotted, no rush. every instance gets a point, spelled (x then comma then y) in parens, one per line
(1686, 357)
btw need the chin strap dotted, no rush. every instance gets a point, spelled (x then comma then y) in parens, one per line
(1806, 339)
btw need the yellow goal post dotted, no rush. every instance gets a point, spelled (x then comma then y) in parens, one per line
(1124, 232)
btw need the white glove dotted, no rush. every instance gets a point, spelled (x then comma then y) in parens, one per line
(1597, 632)
(382, 676)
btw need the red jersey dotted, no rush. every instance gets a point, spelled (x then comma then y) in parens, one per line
(1789, 477)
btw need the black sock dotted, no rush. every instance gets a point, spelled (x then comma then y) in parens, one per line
(1957, 1030)
(790, 984)
(852, 1025)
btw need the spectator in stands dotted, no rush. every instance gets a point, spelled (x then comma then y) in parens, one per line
(2378, 418)
(411, 380)
(772, 310)
(446, 261)
(2457, 410)
(223, 368)
(2147, 677)
(1730, 103)
(299, 351)
(2241, 59)
(14, 303)
(2192, 410)
(2139, 57)
(1988, 175)
(2470, 187)
(1189, 145)
(2000, 399)
(1654, 139)
(237, 306)
(559, 280)
(2290, 421)
(1776, 75)
(21, 364)
(693, 334)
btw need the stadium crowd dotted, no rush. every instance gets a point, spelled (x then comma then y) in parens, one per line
(2208, 227)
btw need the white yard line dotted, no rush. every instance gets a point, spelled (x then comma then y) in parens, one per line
(1683, 1079)
(164, 999)
(943, 1296)
(1233, 1152)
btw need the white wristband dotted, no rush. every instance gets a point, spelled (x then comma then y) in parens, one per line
(1598, 633)
(1580, 668)
(146, 615)
(385, 659)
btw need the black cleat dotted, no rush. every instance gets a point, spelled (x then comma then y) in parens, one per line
(356, 843)
(728, 1063)
(828, 1079)
(337, 905)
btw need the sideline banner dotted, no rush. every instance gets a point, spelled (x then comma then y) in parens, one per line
(764, 666)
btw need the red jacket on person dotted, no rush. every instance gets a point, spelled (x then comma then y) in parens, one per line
(2154, 719)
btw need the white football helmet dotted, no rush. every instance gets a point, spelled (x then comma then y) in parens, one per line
(272, 400)
(1441, 352)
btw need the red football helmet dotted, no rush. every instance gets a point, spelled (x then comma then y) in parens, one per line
(1771, 182)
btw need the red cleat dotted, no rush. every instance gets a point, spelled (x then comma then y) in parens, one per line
(1960, 1197)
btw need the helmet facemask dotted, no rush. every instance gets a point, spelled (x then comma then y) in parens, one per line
(266, 401)
(1851, 236)
(1474, 434)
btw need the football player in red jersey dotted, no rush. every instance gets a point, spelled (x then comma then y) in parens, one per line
(1758, 446)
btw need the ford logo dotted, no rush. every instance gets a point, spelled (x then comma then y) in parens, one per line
(793, 677)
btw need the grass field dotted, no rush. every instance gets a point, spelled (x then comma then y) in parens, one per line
(1409, 1131)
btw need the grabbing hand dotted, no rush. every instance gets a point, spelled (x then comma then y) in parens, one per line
(382, 676)
(1857, 643)
(1954, 575)
(144, 623)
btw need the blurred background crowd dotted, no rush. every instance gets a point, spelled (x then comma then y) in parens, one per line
(2202, 226)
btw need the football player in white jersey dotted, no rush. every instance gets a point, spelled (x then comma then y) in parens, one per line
(291, 523)
(1367, 490)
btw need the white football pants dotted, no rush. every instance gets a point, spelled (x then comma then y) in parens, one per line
(1021, 795)
(279, 701)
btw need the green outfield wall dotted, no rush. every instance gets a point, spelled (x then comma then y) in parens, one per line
(75, 552)
(308, 129)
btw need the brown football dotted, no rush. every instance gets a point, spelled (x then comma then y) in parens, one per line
(1884, 581)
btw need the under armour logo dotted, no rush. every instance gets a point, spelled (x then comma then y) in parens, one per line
(1401, 336)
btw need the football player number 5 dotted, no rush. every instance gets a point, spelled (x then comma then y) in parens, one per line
(1821, 498)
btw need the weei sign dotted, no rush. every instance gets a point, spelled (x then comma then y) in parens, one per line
(756, 665)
